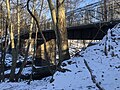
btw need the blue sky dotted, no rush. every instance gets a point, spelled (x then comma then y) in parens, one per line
(86, 2)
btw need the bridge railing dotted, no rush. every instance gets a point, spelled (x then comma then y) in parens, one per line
(97, 12)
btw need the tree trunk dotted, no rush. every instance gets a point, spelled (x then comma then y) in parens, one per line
(10, 26)
(14, 58)
(53, 12)
(1, 45)
(61, 31)
(18, 27)
(59, 22)
(28, 47)
(105, 11)
(50, 45)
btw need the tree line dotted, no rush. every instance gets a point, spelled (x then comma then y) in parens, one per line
(17, 16)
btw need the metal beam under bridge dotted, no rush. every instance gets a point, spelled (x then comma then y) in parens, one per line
(95, 31)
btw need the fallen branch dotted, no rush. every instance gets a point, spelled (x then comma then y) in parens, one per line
(92, 76)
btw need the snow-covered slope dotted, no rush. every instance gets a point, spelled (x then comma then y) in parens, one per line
(103, 60)
(96, 67)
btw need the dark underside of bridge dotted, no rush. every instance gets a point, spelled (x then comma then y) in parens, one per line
(94, 31)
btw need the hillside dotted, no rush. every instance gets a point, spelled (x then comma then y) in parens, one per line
(95, 68)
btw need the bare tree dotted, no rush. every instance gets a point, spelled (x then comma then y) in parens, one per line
(18, 27)
(59, 20)
(28, 45)
(10, 26)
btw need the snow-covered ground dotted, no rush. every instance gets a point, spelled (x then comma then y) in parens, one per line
(103, 60)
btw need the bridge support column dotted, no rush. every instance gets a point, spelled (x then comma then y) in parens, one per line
(50, 46)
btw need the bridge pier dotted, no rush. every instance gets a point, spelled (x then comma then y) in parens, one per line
(40, 53)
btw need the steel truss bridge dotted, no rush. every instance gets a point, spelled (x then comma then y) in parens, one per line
(90, 22)
(97, 12)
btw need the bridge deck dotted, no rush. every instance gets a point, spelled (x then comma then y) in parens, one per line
(94, 31)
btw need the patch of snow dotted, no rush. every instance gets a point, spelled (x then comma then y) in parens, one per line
(25, 71)
(23, 85)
